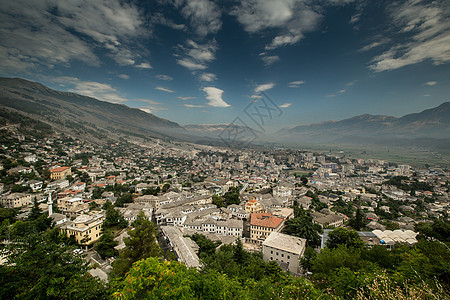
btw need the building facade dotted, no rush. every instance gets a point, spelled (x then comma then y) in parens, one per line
(286, 250)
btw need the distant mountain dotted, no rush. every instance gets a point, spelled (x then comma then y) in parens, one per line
(430, 127)
(79, 115)
(219, 130)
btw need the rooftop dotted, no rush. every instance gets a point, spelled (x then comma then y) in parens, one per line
(285, 242)
(265, 220)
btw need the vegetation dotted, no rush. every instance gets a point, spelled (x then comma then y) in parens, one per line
(141, 244)
(302, 226)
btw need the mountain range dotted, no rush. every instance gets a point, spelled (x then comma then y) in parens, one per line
(430, 127)
(100, 121)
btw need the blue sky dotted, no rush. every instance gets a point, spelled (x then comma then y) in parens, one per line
(204, 61)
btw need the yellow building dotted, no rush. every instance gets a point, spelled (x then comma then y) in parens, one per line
(262, 225)
(253, 206)
(60, 172)
(16, 200)
(85, 228)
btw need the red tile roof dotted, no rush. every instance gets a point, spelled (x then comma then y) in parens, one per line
(265, 220)
(59, 169)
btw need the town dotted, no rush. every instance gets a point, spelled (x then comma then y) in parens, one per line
(222, 194)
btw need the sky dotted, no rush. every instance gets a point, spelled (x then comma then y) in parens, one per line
(210, 62)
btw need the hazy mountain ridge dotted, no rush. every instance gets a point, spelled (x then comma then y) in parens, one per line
(81, 115)
(430, 127)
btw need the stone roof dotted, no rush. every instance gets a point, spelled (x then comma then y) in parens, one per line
(285, 242)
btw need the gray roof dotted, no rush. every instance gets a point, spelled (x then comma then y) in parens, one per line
(285, 242)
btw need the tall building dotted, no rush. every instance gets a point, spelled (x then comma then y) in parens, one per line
(262, 225)
(285, 249)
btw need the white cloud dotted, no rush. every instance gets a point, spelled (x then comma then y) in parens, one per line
(214, 95)
(208, 77)
(100, 91)
(159, 18)
(381, 41)
(191, 65)
(427, 32)
(47, 33)
(342, 91)
(164, 77)
(123, 76)
(430, 83)
(197, 56)
(193, 106)
(292, 17)
(186, 98)
(284, 40)
(295, 84)
(351, 83)
(264, 87)
(147, 110)
(269, 60)
(160, 88)
(285, 105)
(144, 65)
(203, 15)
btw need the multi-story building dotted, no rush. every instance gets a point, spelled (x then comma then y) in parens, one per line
(262, 225)
(60, 172)
(286, 250)
(16, 200)
(85, 228)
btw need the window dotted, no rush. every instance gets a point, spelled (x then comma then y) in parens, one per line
(289, 257)
(277, 253)
(271, 251)
(282, 255)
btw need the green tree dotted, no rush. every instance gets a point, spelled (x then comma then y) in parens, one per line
(40, 267)
(35, 211)
(105, 245)
(206, 246)
(142, 243)
(218, 200)
(439, 230)
(358, 221)
(114, 218)
(303, 227)
(343, 236)
(124, 198)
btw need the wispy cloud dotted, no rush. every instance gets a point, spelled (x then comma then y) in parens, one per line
(430, 83)
(204, 16)
(123, 76)
(193, 105)
(47, 33)
(144, 65)
(291, 17)
(295, 84)
(264, 87)
(196, 56)
(269, 59)
(208, 77)
(286, 105)
(190, 64)
(97, 90)
(164, 77)
(186, 98)
(160, 88)
(214, 95)
(424, 31)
